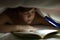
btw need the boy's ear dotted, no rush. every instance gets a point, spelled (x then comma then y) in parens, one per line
(36, 9)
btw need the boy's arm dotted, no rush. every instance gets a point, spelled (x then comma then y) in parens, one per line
(4, 19)
(7, 28)
(16, 28)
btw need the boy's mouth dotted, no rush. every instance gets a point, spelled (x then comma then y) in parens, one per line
(29, 21)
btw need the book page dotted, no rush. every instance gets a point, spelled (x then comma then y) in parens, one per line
(41, 33)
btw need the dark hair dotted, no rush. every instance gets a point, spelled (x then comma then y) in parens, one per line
(23, 9)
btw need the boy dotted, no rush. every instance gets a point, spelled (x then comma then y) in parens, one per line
(20, 16)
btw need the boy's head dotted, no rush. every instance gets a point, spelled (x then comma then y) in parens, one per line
(27, 14)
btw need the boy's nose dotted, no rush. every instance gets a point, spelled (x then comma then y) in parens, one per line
(29, 15)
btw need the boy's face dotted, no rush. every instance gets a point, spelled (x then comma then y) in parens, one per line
(28, 16)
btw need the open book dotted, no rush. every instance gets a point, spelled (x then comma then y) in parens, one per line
(37, 34)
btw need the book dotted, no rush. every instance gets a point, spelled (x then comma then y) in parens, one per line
(40, 34)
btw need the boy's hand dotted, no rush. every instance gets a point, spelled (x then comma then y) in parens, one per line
(25, 28)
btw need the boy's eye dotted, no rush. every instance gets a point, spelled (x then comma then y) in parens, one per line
(32, 12)
(25, 13)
